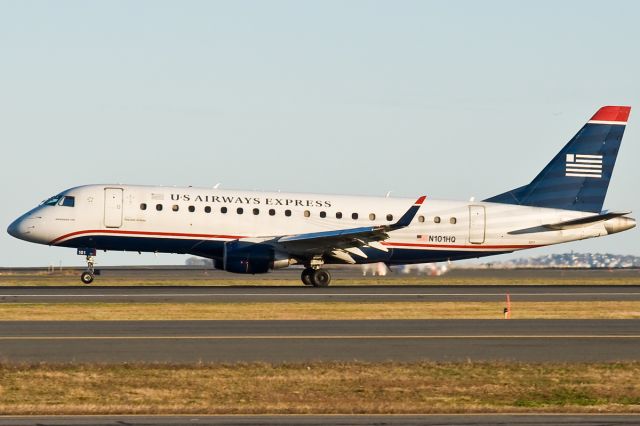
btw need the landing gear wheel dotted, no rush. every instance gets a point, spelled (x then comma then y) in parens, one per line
(306, 276)
(321, 278)
(86, 277)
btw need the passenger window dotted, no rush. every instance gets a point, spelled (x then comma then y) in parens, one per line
(256, 211)
(159, 207)
(272, 212)
(307, 213)
(68, 201)
(338, 215)
(287, 213)
(421, 219)
(175, 207)
(323, 214)
(453, 220)
(239, 210)
(372, 216)
(207, 209)
(192, 209)
(143, 206)
(389, 217)
(354, 216)
(436, 219)
(223, 210)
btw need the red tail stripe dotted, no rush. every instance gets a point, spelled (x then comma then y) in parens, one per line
(612, 113)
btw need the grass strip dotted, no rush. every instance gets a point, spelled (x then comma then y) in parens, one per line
(319, 388)
(317, 311)
(292, 280)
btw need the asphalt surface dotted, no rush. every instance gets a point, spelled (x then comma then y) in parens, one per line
(396, 293)
(291, 341)
(436, 419)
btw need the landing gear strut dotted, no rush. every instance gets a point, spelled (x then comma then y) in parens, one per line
(316, 277)
(87, 276)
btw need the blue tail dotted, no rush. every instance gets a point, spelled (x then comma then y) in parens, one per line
(578, 176)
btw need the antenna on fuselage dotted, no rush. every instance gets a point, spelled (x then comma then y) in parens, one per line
(217, 185)
(388, 194)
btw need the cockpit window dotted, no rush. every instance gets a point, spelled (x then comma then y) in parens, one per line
(52, 201)
(68, 201)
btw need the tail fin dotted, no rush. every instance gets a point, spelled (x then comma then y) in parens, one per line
(578, 176)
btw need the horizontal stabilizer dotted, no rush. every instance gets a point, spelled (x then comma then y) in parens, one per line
(584, 221)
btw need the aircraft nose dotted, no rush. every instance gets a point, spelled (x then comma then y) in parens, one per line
(14, 228)
(24, 227)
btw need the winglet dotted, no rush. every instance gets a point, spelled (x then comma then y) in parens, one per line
(406, 218)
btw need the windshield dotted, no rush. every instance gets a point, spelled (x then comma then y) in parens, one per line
(67, 201)
(52, 201)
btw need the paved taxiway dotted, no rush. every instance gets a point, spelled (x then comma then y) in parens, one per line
(435, 419)
(399, 293)
(278, 341)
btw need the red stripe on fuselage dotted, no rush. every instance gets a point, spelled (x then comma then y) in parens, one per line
(445, 246)
(236, 237)
(145, 233)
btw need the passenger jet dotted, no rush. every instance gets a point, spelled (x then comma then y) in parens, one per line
(250, 232)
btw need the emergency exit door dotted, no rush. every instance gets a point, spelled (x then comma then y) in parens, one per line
(477, 224)
(113, 207)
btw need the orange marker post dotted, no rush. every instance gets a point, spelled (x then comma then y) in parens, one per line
(507, 310)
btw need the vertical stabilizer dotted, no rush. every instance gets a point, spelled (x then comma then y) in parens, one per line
(578, 176)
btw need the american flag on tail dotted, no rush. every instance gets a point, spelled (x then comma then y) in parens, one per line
(584, 165)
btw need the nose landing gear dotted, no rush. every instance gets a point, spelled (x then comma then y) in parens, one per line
(87, 276)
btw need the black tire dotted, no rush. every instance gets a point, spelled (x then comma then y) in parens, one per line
(321, 278)
(86, 278)
(306, 276)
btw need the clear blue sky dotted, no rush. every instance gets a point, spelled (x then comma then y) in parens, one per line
(453, 99)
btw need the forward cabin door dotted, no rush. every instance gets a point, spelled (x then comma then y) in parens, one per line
(113, 207)
(477, 224)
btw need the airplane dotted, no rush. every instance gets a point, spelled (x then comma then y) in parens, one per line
(251, 232)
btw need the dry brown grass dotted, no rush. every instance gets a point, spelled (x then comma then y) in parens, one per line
(316, 310)
(291, 278)
(260, 388)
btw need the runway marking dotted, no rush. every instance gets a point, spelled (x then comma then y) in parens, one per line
(328, 337)
(315, 294)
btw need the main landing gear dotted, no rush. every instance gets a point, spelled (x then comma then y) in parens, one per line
(316, 277)
(87, 276)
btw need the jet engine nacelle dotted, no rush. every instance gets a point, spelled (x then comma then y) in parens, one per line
(251, 258)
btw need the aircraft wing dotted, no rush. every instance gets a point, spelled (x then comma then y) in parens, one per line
(342, 243)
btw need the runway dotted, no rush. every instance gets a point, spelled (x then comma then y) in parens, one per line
(301, 341)
(433, 419)
(396, 293)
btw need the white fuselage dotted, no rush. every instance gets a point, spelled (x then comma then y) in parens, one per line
(200, 220)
